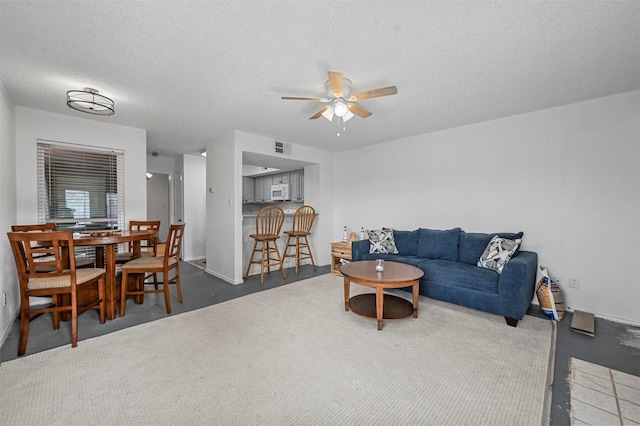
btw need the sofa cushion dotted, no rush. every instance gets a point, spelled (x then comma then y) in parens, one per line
(438, 244)
(406, 242)
(409, 260)
(498, 252)
(472, 244)
(382, 241)
(456, 274)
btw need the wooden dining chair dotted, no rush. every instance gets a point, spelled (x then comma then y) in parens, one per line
(148, 248)
(168, 261)
(298, 236)
(60, 279)
(268, 225)
(81, 261)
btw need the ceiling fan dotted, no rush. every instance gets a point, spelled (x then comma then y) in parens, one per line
(341, 102)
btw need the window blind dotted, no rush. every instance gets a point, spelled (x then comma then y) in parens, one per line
(80, 187)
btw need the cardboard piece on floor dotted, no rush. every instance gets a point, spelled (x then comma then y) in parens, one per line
(583, 322)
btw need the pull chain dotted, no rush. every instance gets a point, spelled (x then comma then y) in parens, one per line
(341, 124)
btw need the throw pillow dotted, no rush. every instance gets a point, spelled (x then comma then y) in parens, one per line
(407, 242)
(472, 244)
(438, 244)
(498, 252)
(381, 241)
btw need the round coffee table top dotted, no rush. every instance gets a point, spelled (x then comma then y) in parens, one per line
(394, 272)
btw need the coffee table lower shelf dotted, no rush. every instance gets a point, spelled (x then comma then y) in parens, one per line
(394, 307)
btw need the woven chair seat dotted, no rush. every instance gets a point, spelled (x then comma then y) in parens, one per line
(82, 276)
(148, 262)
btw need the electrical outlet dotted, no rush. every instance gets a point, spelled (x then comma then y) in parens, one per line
(574, 282)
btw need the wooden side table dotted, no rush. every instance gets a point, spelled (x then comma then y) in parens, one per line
(339, 251)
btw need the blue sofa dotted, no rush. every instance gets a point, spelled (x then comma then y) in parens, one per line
(449, 261)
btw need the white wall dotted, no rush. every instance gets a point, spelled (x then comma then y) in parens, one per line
(166, 165)
(567, 176)
(194, 244)
(8, 278)
(221, 215)
(224, 203)
(32, 125)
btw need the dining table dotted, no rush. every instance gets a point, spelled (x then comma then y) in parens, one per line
(105, 243)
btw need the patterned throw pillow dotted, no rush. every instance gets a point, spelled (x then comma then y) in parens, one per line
(498, 252)
(381, 241)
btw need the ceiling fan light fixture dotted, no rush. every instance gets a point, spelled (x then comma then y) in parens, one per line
(340, 109)
(328, 114)
(342, 104)
(347, 116)
(90, 101)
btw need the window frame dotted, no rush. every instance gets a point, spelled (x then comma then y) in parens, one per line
(90, 170)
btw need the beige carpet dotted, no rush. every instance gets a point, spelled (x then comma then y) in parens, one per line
(292, 355)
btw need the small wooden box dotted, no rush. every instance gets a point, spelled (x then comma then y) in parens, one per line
(339, 251)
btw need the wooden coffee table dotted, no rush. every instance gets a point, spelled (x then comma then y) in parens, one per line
(379, 305)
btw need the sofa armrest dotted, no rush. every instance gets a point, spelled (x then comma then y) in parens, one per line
(358, 249)
(517, 284)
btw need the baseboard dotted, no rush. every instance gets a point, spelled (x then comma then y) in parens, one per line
(223, 277)
(604, 317)
(7, 330)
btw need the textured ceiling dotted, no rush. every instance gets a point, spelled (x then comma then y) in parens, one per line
(191, 71)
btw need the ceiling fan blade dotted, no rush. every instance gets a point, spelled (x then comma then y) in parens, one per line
(335, 80)
(375, 93)
(358, 110)
(319, 113)
(295, 98)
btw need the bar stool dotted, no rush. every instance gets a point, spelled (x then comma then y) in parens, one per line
(302, 222)
(268, 225)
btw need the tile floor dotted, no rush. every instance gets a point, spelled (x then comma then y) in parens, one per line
(603, 396)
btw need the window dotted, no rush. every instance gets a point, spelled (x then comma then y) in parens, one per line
(80, 187)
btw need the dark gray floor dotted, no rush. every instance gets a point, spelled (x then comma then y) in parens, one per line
(615, 346)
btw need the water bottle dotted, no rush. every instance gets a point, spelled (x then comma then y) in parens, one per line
(345, 235)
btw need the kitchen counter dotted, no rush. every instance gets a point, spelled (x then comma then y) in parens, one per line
(287, 213)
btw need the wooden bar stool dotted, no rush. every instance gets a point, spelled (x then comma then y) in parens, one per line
(268, 225)
(302, 222)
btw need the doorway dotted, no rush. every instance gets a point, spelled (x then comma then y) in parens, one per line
(158, 202)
